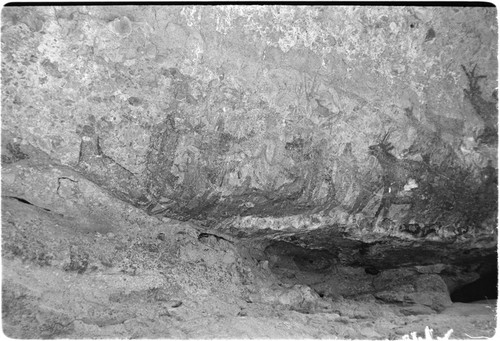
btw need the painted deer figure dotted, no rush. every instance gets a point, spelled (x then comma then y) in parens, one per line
(399, 176)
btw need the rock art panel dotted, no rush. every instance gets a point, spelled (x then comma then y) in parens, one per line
(313, 153)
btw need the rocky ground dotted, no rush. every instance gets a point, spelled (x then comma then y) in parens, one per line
(117, 272)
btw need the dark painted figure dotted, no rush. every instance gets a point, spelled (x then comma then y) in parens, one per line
(396, 174)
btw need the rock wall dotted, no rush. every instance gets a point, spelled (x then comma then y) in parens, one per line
(337, 165)
(213, 112)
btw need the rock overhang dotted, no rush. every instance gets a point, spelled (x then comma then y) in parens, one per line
(269, 135)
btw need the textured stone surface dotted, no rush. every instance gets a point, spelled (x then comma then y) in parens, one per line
(146, 278)
(212, 112)
(407, 287)
(318, 153)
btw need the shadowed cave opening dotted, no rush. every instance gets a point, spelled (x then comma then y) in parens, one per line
(294, 264)
(484, 288)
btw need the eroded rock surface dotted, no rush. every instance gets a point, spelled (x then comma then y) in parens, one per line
(171, 167)
(93, 266)
(213, 112)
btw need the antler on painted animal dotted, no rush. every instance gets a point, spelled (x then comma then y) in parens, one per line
(396, 173)
(382, 151)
